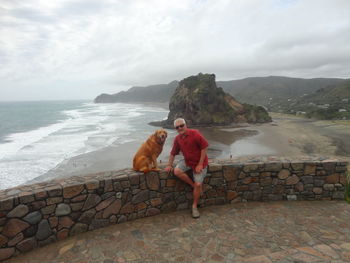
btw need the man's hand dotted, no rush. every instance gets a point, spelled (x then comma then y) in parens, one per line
(199, 168)
(168, 168)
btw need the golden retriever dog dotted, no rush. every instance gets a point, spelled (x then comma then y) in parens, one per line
(145, 160)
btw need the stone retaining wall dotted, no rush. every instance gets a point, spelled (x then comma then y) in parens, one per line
(36, 215)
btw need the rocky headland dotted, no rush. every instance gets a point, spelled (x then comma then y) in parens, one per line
(200, 102)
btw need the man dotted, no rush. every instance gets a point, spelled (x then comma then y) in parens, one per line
(194, 149)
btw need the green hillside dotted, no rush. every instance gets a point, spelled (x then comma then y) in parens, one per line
(154, 93)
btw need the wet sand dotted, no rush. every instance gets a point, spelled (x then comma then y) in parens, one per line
(286, 136)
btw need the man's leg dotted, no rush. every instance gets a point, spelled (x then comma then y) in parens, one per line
(183, 176)
(197, 190)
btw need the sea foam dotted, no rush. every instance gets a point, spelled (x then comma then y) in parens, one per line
(87, 128)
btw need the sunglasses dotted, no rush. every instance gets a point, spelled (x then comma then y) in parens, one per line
(180, 126)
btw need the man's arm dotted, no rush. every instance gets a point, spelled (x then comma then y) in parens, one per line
(203, 154)
(171, 160)
(174, 151)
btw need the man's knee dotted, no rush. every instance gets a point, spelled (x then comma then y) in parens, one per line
(178, 171)
(197, 184)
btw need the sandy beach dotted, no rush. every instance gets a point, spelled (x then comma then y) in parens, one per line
(287, 135)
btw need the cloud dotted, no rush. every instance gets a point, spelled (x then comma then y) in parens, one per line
(78, 49)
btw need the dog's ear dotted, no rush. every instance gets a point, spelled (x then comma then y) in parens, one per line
(155, 133)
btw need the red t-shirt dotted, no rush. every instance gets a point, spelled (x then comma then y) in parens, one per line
(190, 144)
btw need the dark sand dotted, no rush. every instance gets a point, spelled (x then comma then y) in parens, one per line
(285, 136)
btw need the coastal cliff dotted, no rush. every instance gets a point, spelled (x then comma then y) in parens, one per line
(154, 93)
(198, 100)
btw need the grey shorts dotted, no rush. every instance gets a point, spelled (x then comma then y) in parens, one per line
(196, 177)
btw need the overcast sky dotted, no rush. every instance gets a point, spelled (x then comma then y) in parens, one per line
(77, 49)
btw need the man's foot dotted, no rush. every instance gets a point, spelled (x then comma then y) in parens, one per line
(195, 212)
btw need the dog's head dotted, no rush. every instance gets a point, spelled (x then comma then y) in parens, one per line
(161, 135)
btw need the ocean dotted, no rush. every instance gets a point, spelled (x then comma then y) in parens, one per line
(36, 136)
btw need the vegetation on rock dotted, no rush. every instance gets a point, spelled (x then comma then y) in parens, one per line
(200, 102)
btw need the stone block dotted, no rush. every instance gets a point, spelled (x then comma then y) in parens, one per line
(265, 181)
(214, 167)
(19, 237)
(156, 201)
(72, 190)
(307, 179)
(107, 195)
(114, 208)
(328, 187)
(250, 167)
(318, 182)
(13, 227)
(108, 186)
(54, 200)
(18, 211)
(332, 179)
(87, 216)
(152, 180)
(231, 173)
(6, 204)
(310, 169)
(265, 174)
(125, 184)
(77, 206)
(329, 166)
(321, 173)
(117, 186)
(92, 184)
(105, 203)
(26, 198)
(41, 195)
(33, 218)
(53, 220)
(297, 166)
(292, 197)
(170, 182)
(273, 167)
(54, 191)
(317, 190)
(63, 209)
(283, 174)
(254, 186)
(142, 196)
(44, 230)
(338, 195)
(79, 198)
(91, 201)
(134, 179)
(127, 208)
(291, 180)
(27, 244)
(65, 222)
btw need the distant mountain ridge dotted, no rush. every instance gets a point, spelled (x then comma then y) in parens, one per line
(153, 93)
(332, 102)
(254, 90)
(275, 93)
(259, 90)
